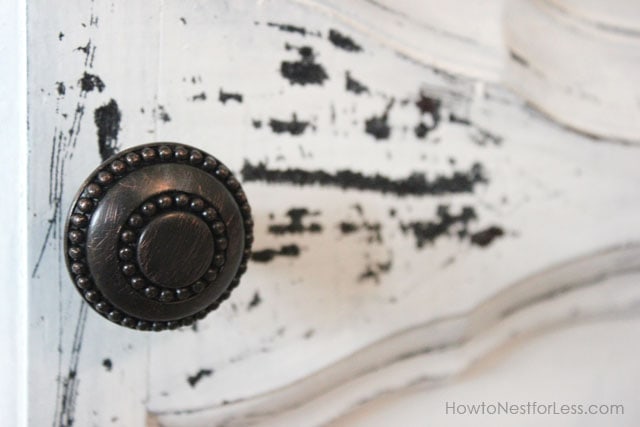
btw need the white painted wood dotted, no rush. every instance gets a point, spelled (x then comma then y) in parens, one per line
(82, 371)
(586, 78)
(307, 339)
(460, 36)
(562, 365)
(439, 352)
(13, 230)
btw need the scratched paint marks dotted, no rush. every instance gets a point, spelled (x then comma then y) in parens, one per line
(68, 383)
(480, 136)
(294, 29)
(64, 142)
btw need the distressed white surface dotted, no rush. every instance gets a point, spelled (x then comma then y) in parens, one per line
(585, 79)
(13, 230)
(563, 200)
(568, 365)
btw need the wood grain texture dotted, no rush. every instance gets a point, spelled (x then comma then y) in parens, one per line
(412, 213)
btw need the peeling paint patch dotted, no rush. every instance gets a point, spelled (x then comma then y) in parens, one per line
(293, 127)
(427, 232)
(378, 126)
(89, 82)
(305, 70)
(295, 225)
(267, 255)
(60, 88)
(107, 119)
(341, 41)
(486, 237)
(353, 85)
(223, 96)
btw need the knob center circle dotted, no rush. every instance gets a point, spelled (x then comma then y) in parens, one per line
(175, 249)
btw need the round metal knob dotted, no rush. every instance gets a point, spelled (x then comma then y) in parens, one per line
(158, 236)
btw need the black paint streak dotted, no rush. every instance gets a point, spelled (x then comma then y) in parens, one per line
(427, 232)
(89, 82)
(226, 96)
(108, 365)
(416, 184)
(288, 28)
(304, 71)
(294, 127)
(199, 97)
(486, 237)
(195, 379)
(256, 123)
(60, 35)
(60, 87)
(183, 20)
(255, 301)
(295, 225)
(267, 255)
(107, 119)
(353, 85)
(378, 125)
(343, 42)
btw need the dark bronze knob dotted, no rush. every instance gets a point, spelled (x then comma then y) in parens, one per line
(158, 236)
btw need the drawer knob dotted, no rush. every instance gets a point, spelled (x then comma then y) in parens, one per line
(158, 236)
